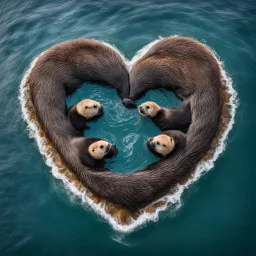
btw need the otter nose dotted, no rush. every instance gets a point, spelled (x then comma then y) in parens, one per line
(101, 109)
(116, 150)
(152, 144)
(141, 110)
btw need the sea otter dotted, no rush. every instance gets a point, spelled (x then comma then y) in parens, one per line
(166, 143)
(181, 65)
(167, 118)
(93, 151)
(84, 111)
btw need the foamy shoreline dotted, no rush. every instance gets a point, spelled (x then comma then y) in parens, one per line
(202, 167)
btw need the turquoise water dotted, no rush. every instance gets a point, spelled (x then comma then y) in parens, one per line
(125, 128)
(37, 214)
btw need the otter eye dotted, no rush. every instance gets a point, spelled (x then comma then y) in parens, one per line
(85, 107)
(164, 145)
(101, 146)
(93, 150)
(157, 143)
(95, 106)
(147, 107)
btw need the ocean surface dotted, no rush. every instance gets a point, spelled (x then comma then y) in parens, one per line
(39, 216)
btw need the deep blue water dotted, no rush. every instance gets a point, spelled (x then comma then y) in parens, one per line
(37, 214)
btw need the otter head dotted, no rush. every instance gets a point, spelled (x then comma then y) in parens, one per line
(161, 145)
(102, 149)
(89, 108)
(149, 109)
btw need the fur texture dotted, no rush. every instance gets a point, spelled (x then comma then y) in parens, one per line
(168, 118)
(91, 153)
(162, 144)
(84, 111)
(167, 143)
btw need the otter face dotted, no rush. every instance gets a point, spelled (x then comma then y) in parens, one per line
(102, 149)
(149, 109)
(161, 144)
(89, 108)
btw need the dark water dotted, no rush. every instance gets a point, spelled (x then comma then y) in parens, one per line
(39, 217)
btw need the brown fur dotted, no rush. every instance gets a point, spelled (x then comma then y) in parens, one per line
(167, 143)
(89, 151)
(162, 144)
(98, 150)
(179, 64)
(168, 118)
(82, 112)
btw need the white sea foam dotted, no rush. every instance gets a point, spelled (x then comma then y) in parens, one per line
(175, 198)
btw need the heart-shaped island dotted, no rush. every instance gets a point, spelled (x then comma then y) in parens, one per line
(181, 65)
